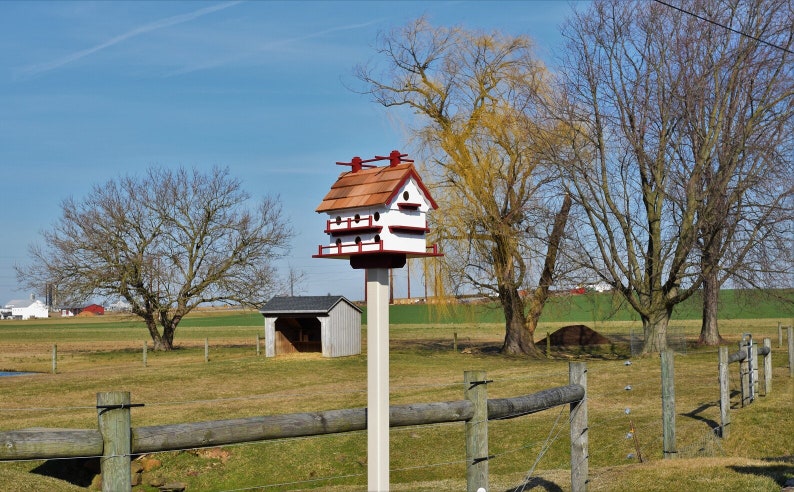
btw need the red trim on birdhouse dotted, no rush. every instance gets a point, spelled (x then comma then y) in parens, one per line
(409, 206)
(409, 229)
(353, 230)
(343, 251)
(413, 174)
(350, 225)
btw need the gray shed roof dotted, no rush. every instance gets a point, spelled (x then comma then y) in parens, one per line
(303, 305)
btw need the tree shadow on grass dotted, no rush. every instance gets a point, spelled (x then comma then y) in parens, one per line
(77, 471)
(781, 470)
(537, 483)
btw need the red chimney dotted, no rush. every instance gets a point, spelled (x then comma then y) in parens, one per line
(394, 158)
(356, 163)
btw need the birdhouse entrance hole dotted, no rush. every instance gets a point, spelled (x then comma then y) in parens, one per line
(297, 335)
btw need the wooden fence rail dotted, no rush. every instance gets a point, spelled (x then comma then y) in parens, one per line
(108, 441)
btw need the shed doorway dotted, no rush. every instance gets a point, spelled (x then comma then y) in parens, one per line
(297, 335)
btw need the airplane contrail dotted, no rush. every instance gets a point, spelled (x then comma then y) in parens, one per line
(38, 69)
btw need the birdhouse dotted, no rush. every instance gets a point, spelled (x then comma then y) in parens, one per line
(377, 216)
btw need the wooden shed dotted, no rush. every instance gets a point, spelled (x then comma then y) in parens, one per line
(327, 324)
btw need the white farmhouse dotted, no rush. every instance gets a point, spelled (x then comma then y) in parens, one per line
(600, 287)
(26, 309)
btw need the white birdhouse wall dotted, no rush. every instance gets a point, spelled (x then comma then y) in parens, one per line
(399, 226)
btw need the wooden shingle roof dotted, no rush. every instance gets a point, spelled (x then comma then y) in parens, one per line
(370, 187)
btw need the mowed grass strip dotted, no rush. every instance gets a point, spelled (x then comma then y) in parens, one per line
(180, 387)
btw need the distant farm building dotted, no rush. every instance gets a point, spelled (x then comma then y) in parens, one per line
(327, 324)
(90, 310)
(120, 306)
(26, 309)
(94, 308)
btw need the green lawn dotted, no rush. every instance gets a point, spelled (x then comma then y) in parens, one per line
(595, 307)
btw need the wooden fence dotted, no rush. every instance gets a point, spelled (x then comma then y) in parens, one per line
(115, 441)
(747, 357)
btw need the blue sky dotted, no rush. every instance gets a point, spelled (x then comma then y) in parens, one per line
(90, 91)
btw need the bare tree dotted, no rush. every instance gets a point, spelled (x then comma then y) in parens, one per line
(737, 113)
(166, 243)
(478, 99)
(665, 164)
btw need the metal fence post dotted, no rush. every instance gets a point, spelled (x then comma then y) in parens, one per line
(114, 423)
(476, 431)
(577, 374)
(725, 393)
(752, 355)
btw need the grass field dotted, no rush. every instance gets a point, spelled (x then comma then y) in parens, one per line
(104, 354)
(594, 308)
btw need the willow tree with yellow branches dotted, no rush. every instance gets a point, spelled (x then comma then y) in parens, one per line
(476, 104)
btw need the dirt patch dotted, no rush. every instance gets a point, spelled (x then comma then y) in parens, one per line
(575, 335)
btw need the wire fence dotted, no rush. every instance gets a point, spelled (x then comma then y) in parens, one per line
(623, 426)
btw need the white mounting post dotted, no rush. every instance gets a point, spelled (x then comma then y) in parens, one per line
(378, 379)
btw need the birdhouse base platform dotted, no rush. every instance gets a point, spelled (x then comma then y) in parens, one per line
(382, 260)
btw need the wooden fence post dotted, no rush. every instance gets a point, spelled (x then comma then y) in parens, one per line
(668, 404)
(580, 446)
(54, 358)
(206, 350)
(455, 341)
(257, 344)
(145, 349)
(744, 374)
(114, 424)
(725, 393)
(779, 335)
(476, 431)
(790, 335)
(767, 366)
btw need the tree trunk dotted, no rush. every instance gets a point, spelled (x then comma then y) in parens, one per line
(162, 343)
(520, 328)
(655, 329)
(518, 340)
(169, 329)
(541, 294)
(709, 332)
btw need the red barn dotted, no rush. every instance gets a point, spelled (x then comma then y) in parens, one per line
(94, 308)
